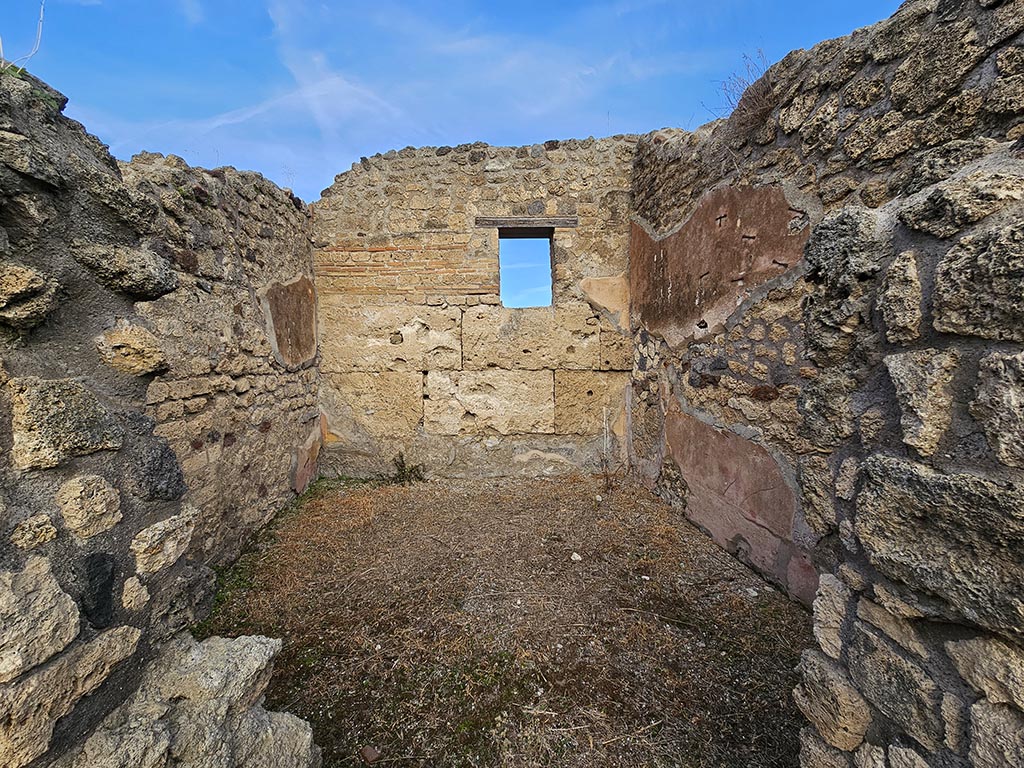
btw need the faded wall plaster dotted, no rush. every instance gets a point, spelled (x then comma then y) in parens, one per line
(866, 386)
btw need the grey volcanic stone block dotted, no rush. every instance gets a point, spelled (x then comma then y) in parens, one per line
(956, 536)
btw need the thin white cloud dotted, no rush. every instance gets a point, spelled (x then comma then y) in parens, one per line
(193, 11)
(453, 81)
(277, 134)
(329, 96)
(480, 82)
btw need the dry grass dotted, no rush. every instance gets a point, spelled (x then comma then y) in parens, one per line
(448, 624)
(749, 90)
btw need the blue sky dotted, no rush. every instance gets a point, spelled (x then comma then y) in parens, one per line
(525, 266)
(300, 89)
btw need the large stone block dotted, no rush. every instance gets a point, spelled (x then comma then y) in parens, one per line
(390, 338)
(830, 701)
(993, 668)
(999, 405)
(816, 487)
(588, 402)
(977, 285)
(895, 627)
(21, 153)
(535, 338)
(958, 536)
(900, 299)
(923, 382)
(472, 456)
(26, 296)
(161, 544)
(830, 607)
(825, 403)
(815, 753)
(616, 349)
(956, 718)
(134, 594)
(376, 405)
(936, 67)
(963, 201)
(904, 757)
(1006, 94)
(200, 706)
(54, 420)
(135, 271)
(33, 531)
(89, 504)
(155, 474)
(898, 687)
(131, 349)
(488, 402)
(846, 247)
(98, 588)
(37, 618)
(869, 756)
(30, 708)
(997, 736)
(610, 294)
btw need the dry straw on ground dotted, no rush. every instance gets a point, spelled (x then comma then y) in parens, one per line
(518, 623)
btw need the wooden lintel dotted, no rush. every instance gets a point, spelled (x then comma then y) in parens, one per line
(526, 233)
(528, 222)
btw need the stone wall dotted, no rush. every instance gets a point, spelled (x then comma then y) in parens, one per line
(420, 357)
(158, 404)
(805, 324)
(841, 384)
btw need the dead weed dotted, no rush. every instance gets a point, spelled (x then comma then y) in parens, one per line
(518, 623)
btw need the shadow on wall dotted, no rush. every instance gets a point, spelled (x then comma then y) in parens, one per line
(159, 404)
(869, 386)
(724, 290)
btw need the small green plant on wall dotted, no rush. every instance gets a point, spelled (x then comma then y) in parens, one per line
(406, 474)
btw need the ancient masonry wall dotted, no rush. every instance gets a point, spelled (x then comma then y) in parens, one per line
(158, 404)
(420, 357)
(822, 299)
(828, 305)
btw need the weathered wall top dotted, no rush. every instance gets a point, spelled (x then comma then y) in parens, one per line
(413, 203)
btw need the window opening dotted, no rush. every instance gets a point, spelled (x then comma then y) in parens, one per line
(525, 268)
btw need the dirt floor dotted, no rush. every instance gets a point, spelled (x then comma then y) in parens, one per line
(517, 623)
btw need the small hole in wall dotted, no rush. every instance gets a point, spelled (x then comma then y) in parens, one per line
(525, 270)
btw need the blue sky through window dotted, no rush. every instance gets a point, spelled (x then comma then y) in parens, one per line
(525, 272)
